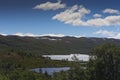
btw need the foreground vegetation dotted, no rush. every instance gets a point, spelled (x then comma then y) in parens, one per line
(103, 65)
(16, 65)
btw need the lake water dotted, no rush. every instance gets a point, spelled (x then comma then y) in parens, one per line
(80, 57)
(50, 71)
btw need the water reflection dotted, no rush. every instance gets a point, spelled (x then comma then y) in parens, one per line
(50, 71)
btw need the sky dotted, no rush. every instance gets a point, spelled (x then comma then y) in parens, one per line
(79, 18)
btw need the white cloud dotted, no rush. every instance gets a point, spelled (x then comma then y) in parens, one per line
(105, 32)
(3, 34)
(107, 21)
(72, 15)
(109, 34)
(76, 14)
(117, 36)
(111, 11)
(97, 15)
(50, 6)
(26, 34)
(77, 36)
(53, 35)
(35, 35)
(97, 22)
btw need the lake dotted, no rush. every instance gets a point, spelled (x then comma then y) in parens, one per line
(80, 57)
(50, 71)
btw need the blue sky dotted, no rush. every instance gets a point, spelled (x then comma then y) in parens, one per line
(89, 18)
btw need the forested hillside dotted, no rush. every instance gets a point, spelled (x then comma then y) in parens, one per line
(51, 45)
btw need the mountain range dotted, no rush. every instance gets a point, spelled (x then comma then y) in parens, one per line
(52, 45)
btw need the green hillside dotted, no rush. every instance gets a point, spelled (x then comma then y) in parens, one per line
(51, 45)
(20, 54)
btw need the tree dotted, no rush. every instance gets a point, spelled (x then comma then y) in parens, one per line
(76, 72)
(106, 62)
(2, 77)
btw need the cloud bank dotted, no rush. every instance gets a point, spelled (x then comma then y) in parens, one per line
(105, 32)
(76, 14)
(72, 15)
(3, 34)
(109, 34)
(35, 35)
(111, 11)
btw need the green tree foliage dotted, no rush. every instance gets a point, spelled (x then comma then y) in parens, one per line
(105, 65)
(2, 77)
(77, 72)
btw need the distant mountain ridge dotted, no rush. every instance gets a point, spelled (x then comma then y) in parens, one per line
(52, 45)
